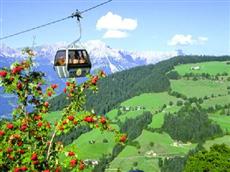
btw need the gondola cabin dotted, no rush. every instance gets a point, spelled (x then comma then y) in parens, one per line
(72, 63)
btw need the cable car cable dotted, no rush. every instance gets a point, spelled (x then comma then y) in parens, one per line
(76, 14)
(34, 28)
(95, 6)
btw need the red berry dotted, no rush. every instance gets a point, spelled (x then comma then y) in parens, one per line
(16, 136)
(3, 73)
(20, 143)
(88, 119)
(17, 169)
(21, 151)
(123, 138)
(75, 122)
(71, 154)
(64, 90)
(34, 157)
(61, 128)
(39, 124)
(14, 70)
(2, 133)
(46, 104)
(24, 168)
(58, 169)
(10, 126)
(35, 162)
(67, 83)
(49, 93)
(103, 120)
(11, 79)
(94, 80)
(48, 125)
(46, 171)
(19, 86)
(17, 69)
(37, 117)
(73, 162)
(71, 118)
(64, 122)
(54, 86)
(23, 127)
(9, 150)
(11, 157)
(81, 166)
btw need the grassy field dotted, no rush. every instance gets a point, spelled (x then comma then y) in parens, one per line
(163, 147)
(163, 144)
(130, 115)
(220, 140)
(112, 114)
(151, 101)
(199, 88)
(207, 67)
(222, 120)
(158, 119)
(126, 159)
(85, 150)
(219, 100)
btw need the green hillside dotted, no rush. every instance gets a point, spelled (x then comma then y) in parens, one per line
(162, 144)
(124, 85)
(153, 148)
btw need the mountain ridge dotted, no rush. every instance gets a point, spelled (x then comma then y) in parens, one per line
(102, 56)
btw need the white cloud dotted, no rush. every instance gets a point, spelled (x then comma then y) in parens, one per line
(115, 25)
(115, 34)
(202, 39)
(115, 22)
(180, 39)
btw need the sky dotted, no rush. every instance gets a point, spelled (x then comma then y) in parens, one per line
(195, 26)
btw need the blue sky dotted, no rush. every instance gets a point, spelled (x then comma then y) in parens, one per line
(195, 26)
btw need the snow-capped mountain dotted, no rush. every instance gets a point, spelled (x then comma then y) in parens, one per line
(102, 57)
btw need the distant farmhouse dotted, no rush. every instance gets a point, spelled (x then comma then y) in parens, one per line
(195, 68)
(130, 108)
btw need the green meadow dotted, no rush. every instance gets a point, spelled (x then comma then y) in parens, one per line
(212, 68)
(199, 88)
(151, 101)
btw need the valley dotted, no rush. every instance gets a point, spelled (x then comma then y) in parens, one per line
(151, 145)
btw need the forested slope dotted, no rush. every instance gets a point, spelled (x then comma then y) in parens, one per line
(123, 85)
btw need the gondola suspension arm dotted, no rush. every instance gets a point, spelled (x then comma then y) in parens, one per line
(76, 14)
